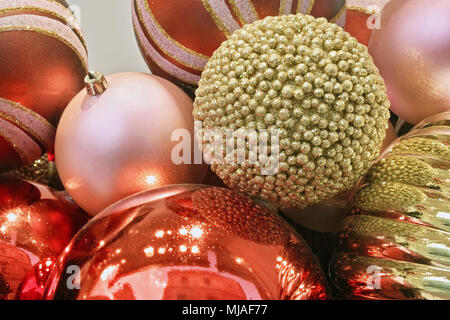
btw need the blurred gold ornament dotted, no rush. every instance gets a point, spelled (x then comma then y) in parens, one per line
(316, 85)
(41, 171)
(396, 243)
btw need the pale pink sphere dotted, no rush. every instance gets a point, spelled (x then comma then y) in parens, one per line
(120, 142)
(412, 51)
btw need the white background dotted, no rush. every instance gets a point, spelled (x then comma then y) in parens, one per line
(108, 31)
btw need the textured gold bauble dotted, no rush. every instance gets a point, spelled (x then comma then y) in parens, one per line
(41, 171)
(313, 82)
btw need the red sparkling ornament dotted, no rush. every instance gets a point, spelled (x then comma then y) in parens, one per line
(36, 223)
(178, 37)
(33, 284)
(187, 242)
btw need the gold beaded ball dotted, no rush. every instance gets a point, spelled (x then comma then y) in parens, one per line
(316, 86)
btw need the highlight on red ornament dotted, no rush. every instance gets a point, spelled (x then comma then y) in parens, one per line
(36, 223)
(187, 242)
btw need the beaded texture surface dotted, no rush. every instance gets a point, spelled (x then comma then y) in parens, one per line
(313, 82)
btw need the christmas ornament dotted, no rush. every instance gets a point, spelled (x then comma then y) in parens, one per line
(36, 223)
(314, 85)
(412, 51)
(212, 179)
(325, 217)
(177, 38)
(114, 142)
(395, 245)
(322, 217)
(42, 171)
(24, 136)
(391, 136)
(53, 60)
(363, 16)
(188, 242)
(42, 64)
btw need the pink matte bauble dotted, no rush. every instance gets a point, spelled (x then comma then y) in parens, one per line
(118, 143)
(412, 51)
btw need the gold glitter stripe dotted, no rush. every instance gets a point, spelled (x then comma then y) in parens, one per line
(27, 158)
(238, 11)
(23, 126)
(311, 5)
(301, 5)
(220, 24)
(362, 10)
(339, 14)
(48, 33)
(146, 47)
(165, 70)
(285, 7)
(169, 38)
(71, 25)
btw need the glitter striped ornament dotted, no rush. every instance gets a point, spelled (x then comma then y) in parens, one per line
(43, 60)
(178, 37)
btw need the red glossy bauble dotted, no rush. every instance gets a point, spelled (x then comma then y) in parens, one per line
(120, 142)
(43, 60)
(178, 37)
(36, 223)
(187, 242)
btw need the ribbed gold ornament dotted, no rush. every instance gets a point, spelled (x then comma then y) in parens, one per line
(396, 245)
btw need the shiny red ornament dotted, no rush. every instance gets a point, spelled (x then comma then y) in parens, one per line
(187, 242)
(36, 223)
(43, 60)
(32, 286)
(178, 37)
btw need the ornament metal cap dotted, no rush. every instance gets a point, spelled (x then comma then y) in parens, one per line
(95, 83)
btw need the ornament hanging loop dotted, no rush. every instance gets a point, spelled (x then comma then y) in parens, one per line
(95, 83)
